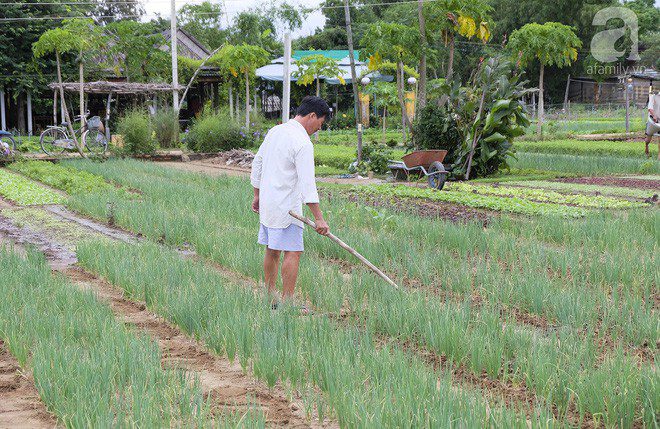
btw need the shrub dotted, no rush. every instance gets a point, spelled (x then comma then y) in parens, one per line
(374, 158)
(166, 126)
(216, 133)
(436, 128)
(137, 132)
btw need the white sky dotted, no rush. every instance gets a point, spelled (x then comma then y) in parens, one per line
(233, 7)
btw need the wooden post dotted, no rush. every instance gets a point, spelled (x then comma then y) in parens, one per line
(62, 107)
(55, 107)
(82, 94)
(3, 117)
(107, 116)
(174, 52)
(286, 79)
(354, 82)
(568, 84)
(29, 113)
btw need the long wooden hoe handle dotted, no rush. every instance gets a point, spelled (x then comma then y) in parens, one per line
(348, 248)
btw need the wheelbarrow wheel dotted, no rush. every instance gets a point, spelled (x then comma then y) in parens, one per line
(437, 181)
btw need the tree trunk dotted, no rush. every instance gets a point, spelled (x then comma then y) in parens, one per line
(82, 92)
(64, 108)
(231, 100)
(450, 66)
(20, 111)
(539, 119)
(318, 94)
(384, 123)
(247, 101)
(55, 108)
(421, 94)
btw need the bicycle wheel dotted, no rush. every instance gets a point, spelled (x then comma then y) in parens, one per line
(53, 141)
(9, 141)
(95, 142)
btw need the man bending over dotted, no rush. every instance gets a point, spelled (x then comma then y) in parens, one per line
(283, 179)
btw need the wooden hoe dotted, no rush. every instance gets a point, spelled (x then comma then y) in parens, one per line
(348, 248)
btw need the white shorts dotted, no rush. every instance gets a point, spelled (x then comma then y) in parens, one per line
(652, 128)
(289, 239)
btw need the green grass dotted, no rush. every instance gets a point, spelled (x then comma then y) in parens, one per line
(588, 126)
(349, 137)
(584, 147)
(592, 279)
(359, 382)
(90, 369)
(25, 192)
(585, 164)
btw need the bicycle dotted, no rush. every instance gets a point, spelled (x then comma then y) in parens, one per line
(55, 140)
(7, 143)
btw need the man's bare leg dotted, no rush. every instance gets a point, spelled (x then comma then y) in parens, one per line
(271, 265)
(647, 140)
(290, 273)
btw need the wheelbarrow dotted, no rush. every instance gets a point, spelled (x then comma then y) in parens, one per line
(421, 162)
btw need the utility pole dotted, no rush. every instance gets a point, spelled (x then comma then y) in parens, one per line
(421, 93)
(286, 79)
(356, 98)
(175, 61)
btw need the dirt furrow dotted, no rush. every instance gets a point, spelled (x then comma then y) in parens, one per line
(20, 405)
(229, 388)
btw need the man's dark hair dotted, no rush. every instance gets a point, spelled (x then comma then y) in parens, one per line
(312, 104)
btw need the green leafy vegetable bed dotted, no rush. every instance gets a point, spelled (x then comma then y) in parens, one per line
(545, 196)
(25, 192)
(68, 179)
(505, 204)
(581, 187)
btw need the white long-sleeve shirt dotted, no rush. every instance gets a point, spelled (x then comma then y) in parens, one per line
(283, 171)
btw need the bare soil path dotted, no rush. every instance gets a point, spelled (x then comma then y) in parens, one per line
(20, 405)
(229, 388)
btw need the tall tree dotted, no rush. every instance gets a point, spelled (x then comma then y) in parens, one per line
(244, 60)
(85, 36)
(131, 51)
(204, 22)
(385, 97)
(396, 43)
(550, 44)
(312, 68)
(254, 28)
(21, 74)
(108, 11)
(59, 40)
(452, 18)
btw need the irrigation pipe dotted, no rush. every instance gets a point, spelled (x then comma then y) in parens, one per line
(347, 248)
